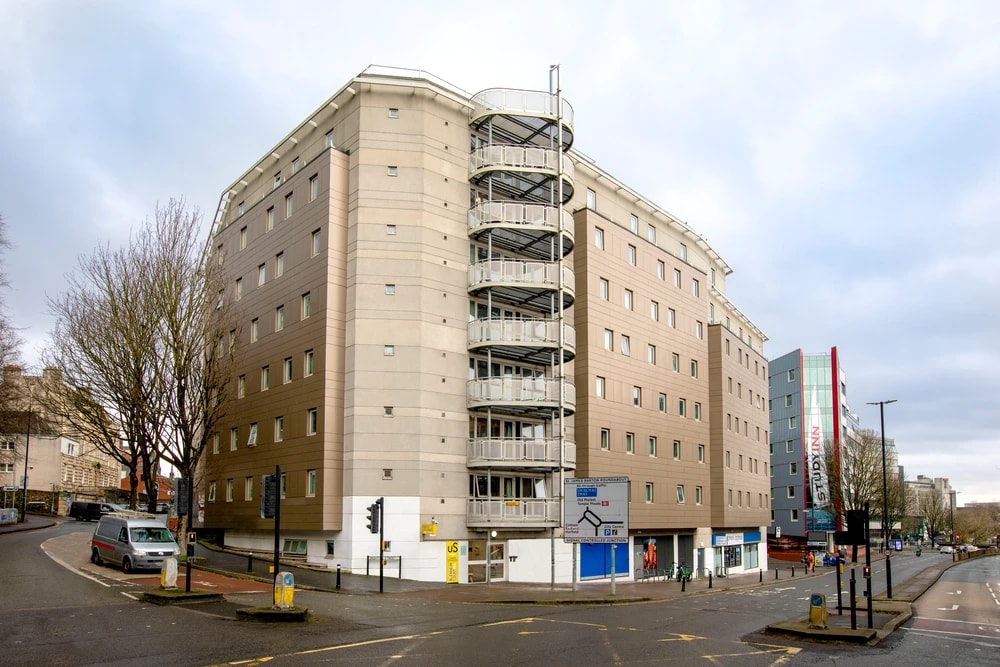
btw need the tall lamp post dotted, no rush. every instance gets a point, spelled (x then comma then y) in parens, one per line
(885, 483)
(24, 481)
(951, 493)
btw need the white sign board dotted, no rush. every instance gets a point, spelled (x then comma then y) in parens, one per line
(595, 510)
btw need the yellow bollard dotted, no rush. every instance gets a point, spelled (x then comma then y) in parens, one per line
(284, 590)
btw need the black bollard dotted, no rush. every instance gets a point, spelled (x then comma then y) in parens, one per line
(775, 574)
(793, 571)
(854, 609)
(761, 576)
(338, 576)
(250, 563)
(709, 579)
(683, 582)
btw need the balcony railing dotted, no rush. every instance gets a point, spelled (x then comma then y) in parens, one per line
(516, 214)
(520, 452)
(519, 272)
(526, 102)
(520, 158)
(522, 513)
(510, 331)
(512, 391)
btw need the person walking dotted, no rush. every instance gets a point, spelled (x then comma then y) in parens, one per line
(810, 562)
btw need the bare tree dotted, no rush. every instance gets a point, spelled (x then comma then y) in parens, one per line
(977, 524)
(10, 348)
(933, 510)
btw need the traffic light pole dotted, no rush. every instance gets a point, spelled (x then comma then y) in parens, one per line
(381, 544)
(277, 527)
(868, 565)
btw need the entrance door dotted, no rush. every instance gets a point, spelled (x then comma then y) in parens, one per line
(478, 561)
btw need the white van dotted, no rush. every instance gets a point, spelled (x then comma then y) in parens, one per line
(133, 543)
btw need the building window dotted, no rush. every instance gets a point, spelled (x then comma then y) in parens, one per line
(793, 469)
(694, 368)
(306, 305)
(649, 492)
(389, 350)
(310, 483)
(254, 330)
(312, 421)
(279, 265)
(695, 287)
(633, 224)
(630, 443)
(387, 410)
(242, 208)
(390, 230)
(631, 255)
(241, 387)
(239, 288)
(791, 491)
(677, 449)
(211, 492)
(609, 340)
(276, 181)
(605, 439)
(654, 311)
(663, 403)
(393, 112)
(699, 330)
(652, 445)
(269, 219)
(287, 373)
(672, 318)
(392, 170)
(697, 495)
(677, 277)
(248, 489)
(729, 497)
(215, 443)
(661, 269)
(600, 387)
(265, 378)
(282, 486)
(313, 187)
(795, 516)
(680, 494)
(329, 139)
(793, 422)
(316, 242)
(791, 375)
(390, 289)
(591, 200)
(628, 299)
(243, 238)
(684, 252)
(261, 274)
(675, 362)
(697, 412)
(279, 429)
(681, 407)
(289, 205)
(599, 237)
(307, 362)
(788, 403)
(651, 354)
(651, 233)
(296, 164)
(626, 345)
(701, 453)
(603, 288)
(234, 438)
(229, 490)
(637, 396)
(279, 318)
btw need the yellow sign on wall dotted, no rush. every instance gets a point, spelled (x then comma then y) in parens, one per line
(451, 562)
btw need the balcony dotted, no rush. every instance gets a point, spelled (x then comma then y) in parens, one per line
(522, 513)
(528, 341)
(521, 453)
(526, 229)
(522, 283)
(521, 395)
(522, 116)
(520, 172)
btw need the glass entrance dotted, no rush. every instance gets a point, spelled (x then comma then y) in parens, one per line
(478, 561)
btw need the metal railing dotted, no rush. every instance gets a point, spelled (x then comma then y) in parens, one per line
(510, 330)
(498, 451)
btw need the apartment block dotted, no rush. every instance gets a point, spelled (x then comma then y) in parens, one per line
(445, 305)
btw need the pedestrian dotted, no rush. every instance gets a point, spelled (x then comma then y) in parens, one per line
(810, 562)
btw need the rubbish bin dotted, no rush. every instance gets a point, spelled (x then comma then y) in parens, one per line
(817, 611)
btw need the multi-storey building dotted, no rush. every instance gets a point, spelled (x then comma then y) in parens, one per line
(809, 411)
(447, 306)
(61, 466)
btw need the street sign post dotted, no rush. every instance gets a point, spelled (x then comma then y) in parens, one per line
(595, 511)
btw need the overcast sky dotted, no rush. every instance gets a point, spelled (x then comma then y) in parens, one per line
(843, 158)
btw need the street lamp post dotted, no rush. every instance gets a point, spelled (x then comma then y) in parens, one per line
(885, 499)
(24, 481)
(951, 494)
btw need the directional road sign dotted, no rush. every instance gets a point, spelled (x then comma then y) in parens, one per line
(595, 510)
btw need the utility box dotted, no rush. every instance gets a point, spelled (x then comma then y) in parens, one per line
(284, 590)
(817, 611)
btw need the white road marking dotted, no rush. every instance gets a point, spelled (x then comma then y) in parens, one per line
(71, 568)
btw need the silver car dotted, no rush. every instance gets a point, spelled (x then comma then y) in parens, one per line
(133, 543)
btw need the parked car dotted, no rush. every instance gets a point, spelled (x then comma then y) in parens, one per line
(132, 543)
(946, 549)
(162, 508)
(82, 511)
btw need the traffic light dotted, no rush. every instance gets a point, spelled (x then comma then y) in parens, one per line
(373, 517)
(868, 571)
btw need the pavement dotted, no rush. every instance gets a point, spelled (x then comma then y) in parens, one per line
(228, 572)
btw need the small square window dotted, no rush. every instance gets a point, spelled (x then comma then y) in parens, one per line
(387, 410)
(390, 289)
(387, 474)
(392, 170)
(390, 230)
(393, 112)
(389, 350)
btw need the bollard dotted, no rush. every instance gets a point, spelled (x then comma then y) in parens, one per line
(793, 572)
(683, 582)
(854, 607)
(250, 563)
(709, 579)
(775, 574)
(761, 576)
(338, 576)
